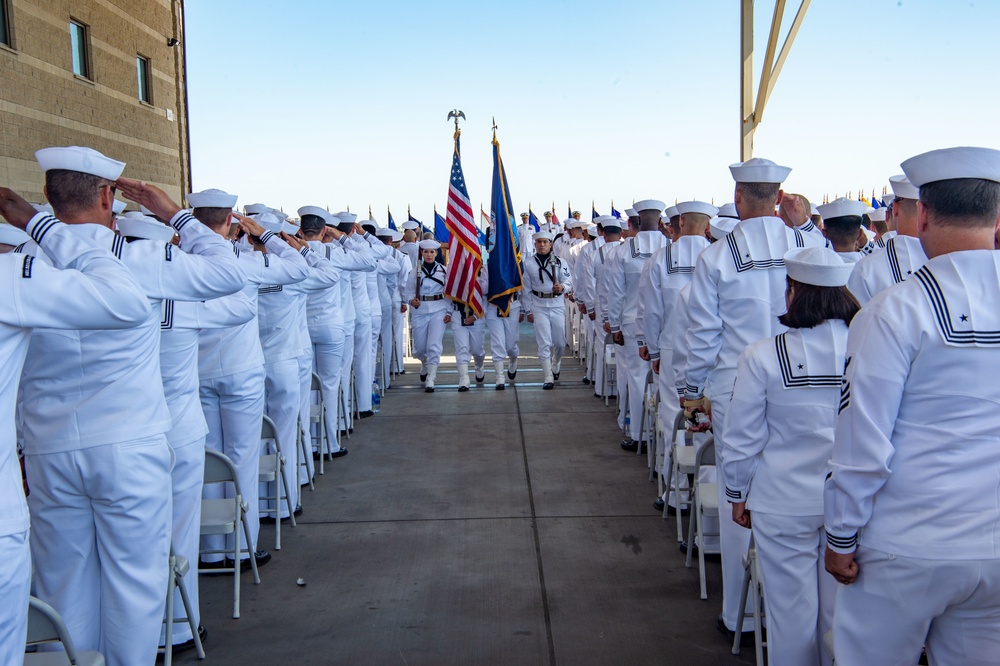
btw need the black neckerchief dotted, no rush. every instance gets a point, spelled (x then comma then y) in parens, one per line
(545, 263)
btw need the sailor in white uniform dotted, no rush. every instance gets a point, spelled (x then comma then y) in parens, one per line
(82, 286)
(584, 295)
(912, 516)
(623, 309)
(611, 258)
(524, 234)
(409, 246)
(779, 436)
(231, 361)
(842, 225)
(597, 296)
(504, 331)
(546, 281)
(431, 311)
(375, 282)
(361, 352)
(664, 275)
(468, 331)
(328, 329)
(903, 255)
(399, 307)
(213, 260)
(389, 295)
(737, 294)
(95, 425)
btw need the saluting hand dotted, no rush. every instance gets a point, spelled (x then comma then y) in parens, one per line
(15, 209)
(150, 196)
(296, 243)
(249, 225)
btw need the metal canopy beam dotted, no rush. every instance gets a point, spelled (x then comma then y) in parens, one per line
(751, 112)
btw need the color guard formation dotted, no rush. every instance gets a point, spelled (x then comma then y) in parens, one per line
(843, 360)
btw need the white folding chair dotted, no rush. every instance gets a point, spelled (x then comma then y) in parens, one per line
(179, 566)
(610, 375)
(304, 450)
(46, 626)
(225, 516)
(753, 585)
(271, 469)
(681, 462)
(317, 417)
(706, 503)
(647, 419)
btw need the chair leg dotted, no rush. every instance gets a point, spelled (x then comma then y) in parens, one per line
(691, 524)
(288, 497)
(277, 500)
(199, 648)
(666, 485)
(701, 549)
(305, 451)
(744, 591)
(253, 560)
(168, 634)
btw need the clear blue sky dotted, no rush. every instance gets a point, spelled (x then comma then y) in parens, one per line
(337, 103)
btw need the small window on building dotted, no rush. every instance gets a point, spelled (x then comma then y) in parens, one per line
(79, 38)
(144, 72)
(5, 37)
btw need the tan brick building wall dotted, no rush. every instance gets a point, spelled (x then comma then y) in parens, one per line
(43, 103)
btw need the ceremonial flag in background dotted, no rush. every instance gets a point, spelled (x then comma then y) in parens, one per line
(532, 220)
(593, 213)
(555, 219)
(615, 213)
(569, 210)
(441, 233)
(410, 218)
(392, 223)
(504, 262)
(465, 257)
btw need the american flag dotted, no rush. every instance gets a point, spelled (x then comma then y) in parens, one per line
(465, 256)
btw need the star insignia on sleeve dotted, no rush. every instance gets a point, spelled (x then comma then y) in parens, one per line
(964, 317)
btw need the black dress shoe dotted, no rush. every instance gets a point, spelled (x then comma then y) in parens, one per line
(672, 511)
(501, 387)
(746, 637)
(188, 644)
(298, 511)
(480, 378)
(365, 414)
(463, 389)
(429, 389)
(658, 504)
(555, 375)
(548, 386)
(262, 557)
(345, 433)
(339, 454)
(630, 445)
(315, 455)
(709, 557)
(586, 381)
(511, 375)
(423, 378)
(598, 396)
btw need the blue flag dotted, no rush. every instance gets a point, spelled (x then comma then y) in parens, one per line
(423, 229)
(504, 263)
(441, 233)
(392, 224)
(569, 211)
(532, 220)
(615, 213)
(593, 213)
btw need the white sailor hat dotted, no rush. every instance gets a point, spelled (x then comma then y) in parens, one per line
(604, 219)
(254, 209)
(345, 216)
(410, 225)
(592, 230)
(542, 235)
(429, 244)
(78, 158)
(630, 212)
(43, 208)
(318, 212)
(211, 199)
(269, 221)
(701, 207)
(719, 227)
(291, 226)
(384, 233)
(671, 212)
(888, 198)
(952, 163)
(279, 214)
(817, 266)
(396, 236)
(610, 222)
(10, 235)
(759, 170)
(118, 206)
(145, 211)
(841, 207)
(134, 213)
(649, 204)
(877, 214)
(902, 188)
(140, 226)
(728, 210)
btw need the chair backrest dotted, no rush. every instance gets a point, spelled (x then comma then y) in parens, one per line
(45, 625)
(268, 430)
(218, 467)
(706, 454)
(317, 383)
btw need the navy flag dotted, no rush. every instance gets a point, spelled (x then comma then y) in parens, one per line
(392, 224)
(615, 213)
(593, 213)
(441, 233)
(504, 263)
(532, 220)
